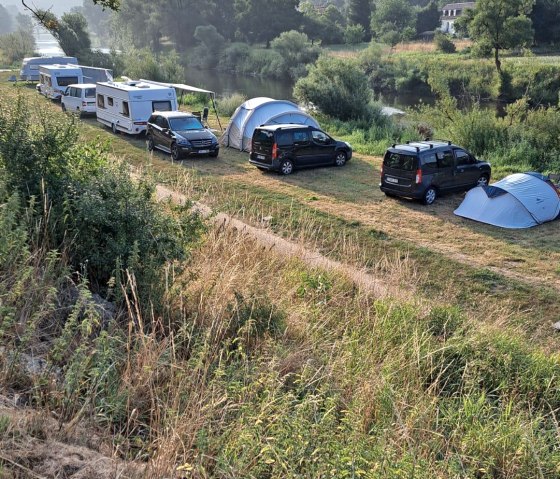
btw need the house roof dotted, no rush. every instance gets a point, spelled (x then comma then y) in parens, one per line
(458, 6)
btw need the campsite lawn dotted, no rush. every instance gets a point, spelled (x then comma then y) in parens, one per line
(510, 278)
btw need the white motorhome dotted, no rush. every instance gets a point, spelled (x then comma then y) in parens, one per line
(53, 79)
(127, 106)
(30, 66)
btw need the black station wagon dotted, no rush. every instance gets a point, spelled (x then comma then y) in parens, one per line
(425, 169)
(286, 147)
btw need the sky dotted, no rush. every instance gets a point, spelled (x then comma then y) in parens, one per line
(57, 6)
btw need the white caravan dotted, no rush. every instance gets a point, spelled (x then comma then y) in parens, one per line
(127, 106)
(53, 79)
(30, 66)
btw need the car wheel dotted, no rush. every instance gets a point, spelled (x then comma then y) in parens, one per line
(63, 106)
(175, 154)
(389, 195)
(114, 128)
(430, 196)
(340, 159)
(214, 154)
(482, 181)
(287, 167)
(150, 143)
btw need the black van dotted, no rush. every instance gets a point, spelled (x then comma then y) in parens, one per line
(286, 147)
(425, 169)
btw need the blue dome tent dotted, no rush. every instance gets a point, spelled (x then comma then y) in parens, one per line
(521, 200)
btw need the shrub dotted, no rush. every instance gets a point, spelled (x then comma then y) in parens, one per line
(234, 56)
(228, 104)
(354, 34)
(336, 87)
(444, 43)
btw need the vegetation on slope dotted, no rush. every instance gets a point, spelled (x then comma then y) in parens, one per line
(232, 362)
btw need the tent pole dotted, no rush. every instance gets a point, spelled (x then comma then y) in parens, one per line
(216, 110)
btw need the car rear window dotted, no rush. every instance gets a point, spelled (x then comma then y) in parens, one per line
(399, 161)
(263, 137)
(90, 92)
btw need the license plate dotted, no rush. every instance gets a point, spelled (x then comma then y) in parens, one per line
(391, 180)
(202, 152)
(260, 157)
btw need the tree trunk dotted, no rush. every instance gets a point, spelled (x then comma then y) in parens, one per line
(497, 61)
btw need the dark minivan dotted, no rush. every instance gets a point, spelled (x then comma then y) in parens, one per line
(425, 169)
(286, 147)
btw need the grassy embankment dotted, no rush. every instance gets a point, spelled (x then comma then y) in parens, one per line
(276, 370)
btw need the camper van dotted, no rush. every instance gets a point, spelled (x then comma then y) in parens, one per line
(79, 98)
(127, 106)
(53, 79)
(30, 66)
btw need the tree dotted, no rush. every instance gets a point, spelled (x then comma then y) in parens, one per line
(546, 21)
(337, 87)
(502, 24)
(394, 20)
(428, 18)
(70, 31)
(17, 45)
(263, 20)
(359, 13)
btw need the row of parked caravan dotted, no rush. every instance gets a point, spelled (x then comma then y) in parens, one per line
(132, 107)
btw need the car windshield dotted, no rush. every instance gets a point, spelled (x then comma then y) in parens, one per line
(399, 161)
(90, 92)
(186, 123)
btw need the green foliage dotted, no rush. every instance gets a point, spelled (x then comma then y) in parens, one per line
(359, 13)
(444, 43)
(207, 54)
(228, 104)
(296, 50)
(393, 21)
(115, 221)
(143, 63)
(336, 87)
(15, 46)
(523, 140)
(428, 18)
(354, 34)
(34, 151)
(502, 24)
(70, 30)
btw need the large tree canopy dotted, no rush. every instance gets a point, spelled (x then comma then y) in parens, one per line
(502, 24)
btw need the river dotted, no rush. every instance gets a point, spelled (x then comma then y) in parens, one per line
(226, 83)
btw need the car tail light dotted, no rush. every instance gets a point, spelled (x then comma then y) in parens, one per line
(274, 151)
(418, 176)
(84, 103)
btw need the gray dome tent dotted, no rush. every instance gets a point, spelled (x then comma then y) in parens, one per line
(520, 200)
(261, 111)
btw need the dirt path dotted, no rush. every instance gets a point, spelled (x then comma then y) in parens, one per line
(284, 247)
(530, 256)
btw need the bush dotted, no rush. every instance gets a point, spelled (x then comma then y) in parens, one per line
(444, 43)
(104, 220)
(354, 34)
(227, 105)
(336, 87)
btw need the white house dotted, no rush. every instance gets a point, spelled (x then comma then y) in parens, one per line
(451, 12)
